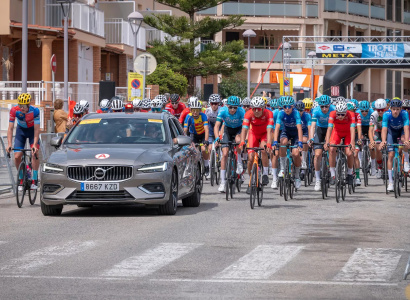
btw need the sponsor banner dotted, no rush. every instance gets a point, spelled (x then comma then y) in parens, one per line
(383, 50)
(338, 50)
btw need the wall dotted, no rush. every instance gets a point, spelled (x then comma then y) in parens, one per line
(5, 17)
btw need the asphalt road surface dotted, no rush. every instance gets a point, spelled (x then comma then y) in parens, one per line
(305, 248)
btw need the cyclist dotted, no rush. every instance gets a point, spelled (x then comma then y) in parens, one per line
(232, 116)
(78, 113)
(395, 125)
(86, 106)
(259, 122)
(246, 104)
(137, 104)
(146, 105)
(212, 113)
(117, 105)
(104, 106)
(275, 103)
(341, 126)
(187, 110)
(306, 123)
(318, 130)
(308, 104)
(176, 105)
(128, 107)
(365, 113)
(28, 127)
(352, 105)
(289, 121)
(375, 131)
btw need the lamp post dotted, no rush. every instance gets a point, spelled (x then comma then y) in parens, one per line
(24, 47)
(135, 18)
(249, 34)
(311, 55)
(66, 13)
(285, 59)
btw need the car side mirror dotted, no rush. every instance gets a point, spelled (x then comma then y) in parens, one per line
(56, 141)
(183, 140)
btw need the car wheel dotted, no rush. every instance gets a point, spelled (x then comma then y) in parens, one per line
(170, 208)
(51, 210)
(195, 199)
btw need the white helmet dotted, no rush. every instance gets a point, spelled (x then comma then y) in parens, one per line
(137, 103)
(224, 101)
(257, 102)
(146, 103)
(341, 107)
(85, 104)
(340, 99)
(191, 100)
(380, 104)
(156, 103)
(195, 103)
(315, 104)
(334, 101)
(105, 103)
(162, 98)
(117, 104)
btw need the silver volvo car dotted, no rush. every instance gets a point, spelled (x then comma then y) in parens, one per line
(122, 158)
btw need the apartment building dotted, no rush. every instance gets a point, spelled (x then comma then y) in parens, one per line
(271, 20)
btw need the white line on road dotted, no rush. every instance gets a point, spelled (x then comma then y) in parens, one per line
(260, 263)
(46, 256)
(2, 242)
(370, 264)
(151, 260)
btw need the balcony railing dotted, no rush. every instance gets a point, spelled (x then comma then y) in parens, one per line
(209, 11)
(265, 55)
(335, 6)
(118, 31)
(378, 12)
(82, 17)
(406, 17)
(355, 8)
(359, 9)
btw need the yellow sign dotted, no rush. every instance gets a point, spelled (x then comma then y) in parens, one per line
(135, 85)
(91, 121)
(154, 121)
(336, 55)
(286, 87)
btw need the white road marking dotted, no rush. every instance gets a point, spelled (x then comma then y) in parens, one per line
(2, 242)
(45, 256)
(260, 263)
(370, 264)
(151, 260)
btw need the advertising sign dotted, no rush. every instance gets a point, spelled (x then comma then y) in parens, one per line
(135, 85)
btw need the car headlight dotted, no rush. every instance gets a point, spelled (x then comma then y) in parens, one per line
(158, 167)
(52, 168)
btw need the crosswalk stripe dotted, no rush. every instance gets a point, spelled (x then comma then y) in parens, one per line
(151, 260)
(260, 263)
(46, 256)
(370, 264)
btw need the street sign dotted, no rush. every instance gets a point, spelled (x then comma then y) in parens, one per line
(145, 63)
(135, 83)
(334, 91)
(286, 87)
(53, 63)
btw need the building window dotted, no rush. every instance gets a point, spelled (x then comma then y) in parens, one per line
(397, 84)
(389, 84)
(389, 10)
(359, 87)
(398, 11)
(359, 33)
(332, 33)
(231, 36)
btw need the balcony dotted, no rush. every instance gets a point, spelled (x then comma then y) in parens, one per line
(335, 6)
(118, 31)
(378, 12)
(359, 9)
(406, 17)
(356, 8)
(265, 55)
(83, 17)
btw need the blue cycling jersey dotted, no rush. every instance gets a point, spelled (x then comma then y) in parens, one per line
(275, 116)
(395, 123)
(306, 120)
(289, 122)
(365, 120)
(231, 121)
(321, 119)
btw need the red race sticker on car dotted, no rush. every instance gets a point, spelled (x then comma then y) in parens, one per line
(102, 156)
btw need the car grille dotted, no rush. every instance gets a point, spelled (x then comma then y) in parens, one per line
(101, 196)
(112, 173)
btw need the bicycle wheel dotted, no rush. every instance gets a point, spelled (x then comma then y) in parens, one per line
(396, 177)
(254, 185)
(32, 194)
(280, 181)
(365, 166)
(306, 179)
(212, 162)
(260, 189)
(311, 167)
(405, 181)
(21, 184)
(324, 174)
(228, 173)
(218, 166)
(286, 180)
(338, 179)
(385, 173)
(232, 177)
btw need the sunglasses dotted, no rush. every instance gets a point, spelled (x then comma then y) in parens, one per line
(24, 106)
(406, 108)
(380, 110)
(341, 115)
(195, 110)
(232, 107)
(257, 109)
(214, 103)
(287, 106)
(78, 115)
(365, 110)
(324, 106)
(246, 106)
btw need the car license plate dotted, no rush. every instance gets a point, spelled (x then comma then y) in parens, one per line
(100, 187)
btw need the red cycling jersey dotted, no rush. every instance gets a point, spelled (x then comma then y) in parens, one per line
(257, 127)
(341, 127)
(176, 112)
(183, 115)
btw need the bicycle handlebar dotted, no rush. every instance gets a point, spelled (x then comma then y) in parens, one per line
(22, 150)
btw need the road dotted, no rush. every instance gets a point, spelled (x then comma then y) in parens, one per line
(306, 248)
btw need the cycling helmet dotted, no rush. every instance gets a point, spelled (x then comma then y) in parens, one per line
(387, 101)
(396, 98)
(274, 103)
(156, 102)
(85, 104)
(342, 107)
(233, 100)
(373, 104)
(380, 103)
(146, 103)
(396, 103)
(196, 104)
(268, 100)
(333, 101)
(174, 98)
(246, 101)
(288, 100)
(117, 105)
(224, 101)
(300, 106)
(315, 104)
(105, 104)
(137, 103)
(317, 99)
(340, 98)
(162, 98)
(78, 109)
(406, 103)
(191, 100)
(24, 98)
(257, 102)
(324, 100)
(356, 103)
(308, 103)
(214, 98)
(351, 105)
(364, 105)
(128, 107)
(280, 102)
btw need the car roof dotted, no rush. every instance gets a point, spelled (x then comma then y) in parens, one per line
(124, 115)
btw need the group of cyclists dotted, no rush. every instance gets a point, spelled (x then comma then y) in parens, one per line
(272, 124)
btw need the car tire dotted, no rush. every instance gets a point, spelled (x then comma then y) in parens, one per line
(195, 199)
(51, 210)
(170, 208)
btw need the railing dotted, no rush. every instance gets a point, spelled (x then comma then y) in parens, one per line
(209, 11)
(263, 9)
(265, 55)
(118, 31)
(9, 90)
(378, 12)
(82, 17)
(153, 34)
(335, 5)
(406, 17)
(359, 9)
(312, 10)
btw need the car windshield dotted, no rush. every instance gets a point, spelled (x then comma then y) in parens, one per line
(118, 131)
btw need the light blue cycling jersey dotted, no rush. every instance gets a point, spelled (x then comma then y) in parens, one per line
(321, 119)
(395, 123)
(289, 122)
(306, 120)
(275, 116)
(231, 121)
(365, 119)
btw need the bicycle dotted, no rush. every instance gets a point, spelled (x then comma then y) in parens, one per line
(215, 165)
(405, 175)
(366, 161)
(288, 176)
(255, 180)
(24, 183)
(396, 172)
(310, 170)
(231, 176)
(198, 147)
(324, 172)
(341, 171)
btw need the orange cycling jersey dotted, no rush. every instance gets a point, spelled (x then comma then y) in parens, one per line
(259, 125)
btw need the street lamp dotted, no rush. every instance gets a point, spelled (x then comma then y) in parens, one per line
(66, 14)
(249, 34)
(311, 55)
(135, 18)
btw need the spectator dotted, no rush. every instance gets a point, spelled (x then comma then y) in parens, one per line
(60, 116)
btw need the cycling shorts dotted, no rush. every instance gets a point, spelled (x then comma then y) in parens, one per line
(291, 136)
(198, 138)
(336, 137)
(305, 132)
(320, 137)
(211, 139)
(22, 134)
(365, 130)
(392, 137)
(230, 134)
(254, 140)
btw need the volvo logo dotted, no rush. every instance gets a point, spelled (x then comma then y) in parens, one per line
(99, 173)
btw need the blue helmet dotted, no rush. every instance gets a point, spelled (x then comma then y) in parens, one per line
(233, 101)
(387, 101)
(274, 103)
(288, 100)
(300, 106)
(324, 100)
(351, 105)
(280, 102)
(364, 105)
(396, 103)
(374, 104)
(356, 103)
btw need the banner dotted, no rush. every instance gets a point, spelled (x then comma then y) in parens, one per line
(338, 50)
(383, 50)
(135, 86)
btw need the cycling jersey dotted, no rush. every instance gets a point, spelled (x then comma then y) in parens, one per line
(289, 122)
(211, 115)
(176, 112)
(395, 123)
(26, 120)
(376, 121)
(196, 126)
(183, 115)
(231, 120)
(365, 120)
(259, 125)
(342, 125)
(321, 119)
(275, 116)
(306, 121)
